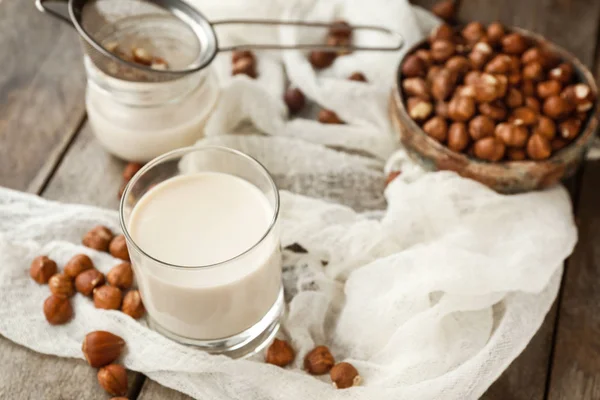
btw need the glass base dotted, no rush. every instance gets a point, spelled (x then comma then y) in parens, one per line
(244, 344)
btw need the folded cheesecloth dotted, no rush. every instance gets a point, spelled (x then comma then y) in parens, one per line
(432, 286)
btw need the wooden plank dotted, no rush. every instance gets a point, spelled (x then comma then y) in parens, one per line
(41, 91)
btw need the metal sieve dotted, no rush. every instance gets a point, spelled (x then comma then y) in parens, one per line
(169, 30)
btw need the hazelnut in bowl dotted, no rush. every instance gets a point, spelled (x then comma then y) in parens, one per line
(499, 105)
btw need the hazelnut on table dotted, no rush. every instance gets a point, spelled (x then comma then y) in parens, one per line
(344, 375)
(88, 280)
(121, 276)
(118, 248)
(294, 100)
(113, 379)
(77, 264)
(329, 117)
(132, 304)
(98, 238)
(280, 353)
(101, 348)
(107, 297)
(318, 361)
(42, 268)
(58, 310)
(61, 285)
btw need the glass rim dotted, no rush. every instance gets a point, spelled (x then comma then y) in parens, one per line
(180, 152)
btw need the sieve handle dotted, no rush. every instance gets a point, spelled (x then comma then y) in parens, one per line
(308, 46)
(63, 5)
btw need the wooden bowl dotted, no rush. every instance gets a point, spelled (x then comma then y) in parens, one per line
(503, 176)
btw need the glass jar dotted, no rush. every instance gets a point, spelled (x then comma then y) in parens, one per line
(138, 121)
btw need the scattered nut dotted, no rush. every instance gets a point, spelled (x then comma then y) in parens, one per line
(489, 148)
(107, 297)
(321, 59)
(280, 353)
(61, 285)
(329, 117)
(512, 135)
(413, 66)
(480, 127)
(113, 379)
(437, 128)
(88, 280)
(121, 276)
(458, 137)
(358, 77)
(77, 264)
(294, 100)
(58, 310)
(419, 109)
(344, 375)
(556, 107)
(132, 305)
(461, 108)
(118, 248)
(538, 147)
(514, 43)
(100, 348)
(445, 9)
(42, 268)
(318, 361)
(98, 238)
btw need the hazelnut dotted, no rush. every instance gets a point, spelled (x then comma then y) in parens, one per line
(442, 109)
(458, 138)
(77, 264)
(528, 88)
(141, 56)
(458, 64)
(443, 84)
(359, 77)
(441, 32)
(442, 50)
(433, 72)
(321, 59)
(534, 54)
(514, 43)
(523, 116)
(489, 88)
(342, 43)
(159, 64)
(538, 147)
(118, 248)
(61, 285)
(437, 128)
(558, 143)
(419, 109)
(445, 9)
(329, 117)
(500, 64)
(107, 297)
(473, 32)
(511, 135)
(391, 176)
(280, 353)
(101, 348)
(42, 268)
(533, 103)
(121, 276)
(495, 32)
(580, 96)
(495, 110)
(294, 100)
(239, 54)
(533, 71)
(465, 90)
(88, 280)
(545, 127)
(514, 98)
(569, 129)
(425, 56)
(344, 375)
(472, 77)
(132, 304)
(98, 238)
(113, 379)
(58, 310)
(489, 148)
(413, 66)
(548, 88)
(556, 107)
(244, 66)
(130, 170)
(515, 154)
(480, 127)
(478, 58)
(514, 79)
(416, 87)
(461, 108)
(515, 65)
(563, 73)
(318, 361)
(340, 28)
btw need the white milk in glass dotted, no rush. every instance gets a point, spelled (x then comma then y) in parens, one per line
(212, 227)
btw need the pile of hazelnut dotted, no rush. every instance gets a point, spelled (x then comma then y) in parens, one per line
(318, 361)
(494, 94)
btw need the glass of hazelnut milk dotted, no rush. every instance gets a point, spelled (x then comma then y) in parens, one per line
(202, 231)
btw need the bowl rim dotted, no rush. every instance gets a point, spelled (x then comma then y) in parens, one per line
(584, 139)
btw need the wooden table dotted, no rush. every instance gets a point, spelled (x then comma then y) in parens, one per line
(47, 147)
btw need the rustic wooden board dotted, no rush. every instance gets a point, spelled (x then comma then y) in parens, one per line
(41, 93)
